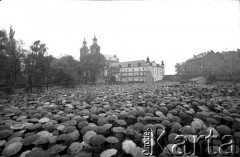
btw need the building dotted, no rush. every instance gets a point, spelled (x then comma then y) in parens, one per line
(196, 64)
(109, 60)
(205, 64)
(139, 71)
(94, 48)
(214, 65)
(84, 50)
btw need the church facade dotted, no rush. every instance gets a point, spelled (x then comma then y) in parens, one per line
(94, 48)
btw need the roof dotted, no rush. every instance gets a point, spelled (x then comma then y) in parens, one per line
(133, 63)
(197, 57)
(109, 57)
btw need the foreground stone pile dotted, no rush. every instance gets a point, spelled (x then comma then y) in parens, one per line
(109, 120)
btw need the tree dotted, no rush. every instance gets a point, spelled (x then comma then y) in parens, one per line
(4, 68)
(181, 68)
(92, 66)
(111, 73)
(64, 69)
(12, 54)
(96, 66)
(36, 64)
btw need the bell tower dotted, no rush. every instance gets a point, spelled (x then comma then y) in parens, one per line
(94, 48)
(84, 50)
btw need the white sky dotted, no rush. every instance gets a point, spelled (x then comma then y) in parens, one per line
(169, 30)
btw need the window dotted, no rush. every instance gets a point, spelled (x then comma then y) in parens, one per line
(129, 65)
(133, 69)
(139, 64)
(143, 68)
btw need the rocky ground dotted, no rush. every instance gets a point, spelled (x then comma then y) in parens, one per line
(109, 120)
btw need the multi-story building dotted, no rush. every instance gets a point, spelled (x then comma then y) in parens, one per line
(139, 71)
(195, 65)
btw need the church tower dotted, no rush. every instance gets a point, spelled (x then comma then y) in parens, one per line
(84, 50)
(94, 48)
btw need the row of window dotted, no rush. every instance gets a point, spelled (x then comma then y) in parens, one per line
(133, 74)
(138, 69)
(131, 69)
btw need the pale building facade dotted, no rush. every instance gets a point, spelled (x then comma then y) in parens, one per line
(109, 60)
(139, 71)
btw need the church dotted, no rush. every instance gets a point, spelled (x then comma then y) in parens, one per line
(130, 71)
(94, 48)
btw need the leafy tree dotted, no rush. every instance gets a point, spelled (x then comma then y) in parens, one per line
(4, 68)
(92, 66)
(11, 56)
(36, 64)
(181, 68)
(111, 73)
(64, 69)
(96, 66)
(84, 71)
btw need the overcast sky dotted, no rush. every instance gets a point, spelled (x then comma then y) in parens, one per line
(169, 30)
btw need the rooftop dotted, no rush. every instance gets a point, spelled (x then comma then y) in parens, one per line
(110, 57)
(197, 57)
(135, 63)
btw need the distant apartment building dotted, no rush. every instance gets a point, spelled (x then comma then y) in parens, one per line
(196, 64)
(139, 71)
